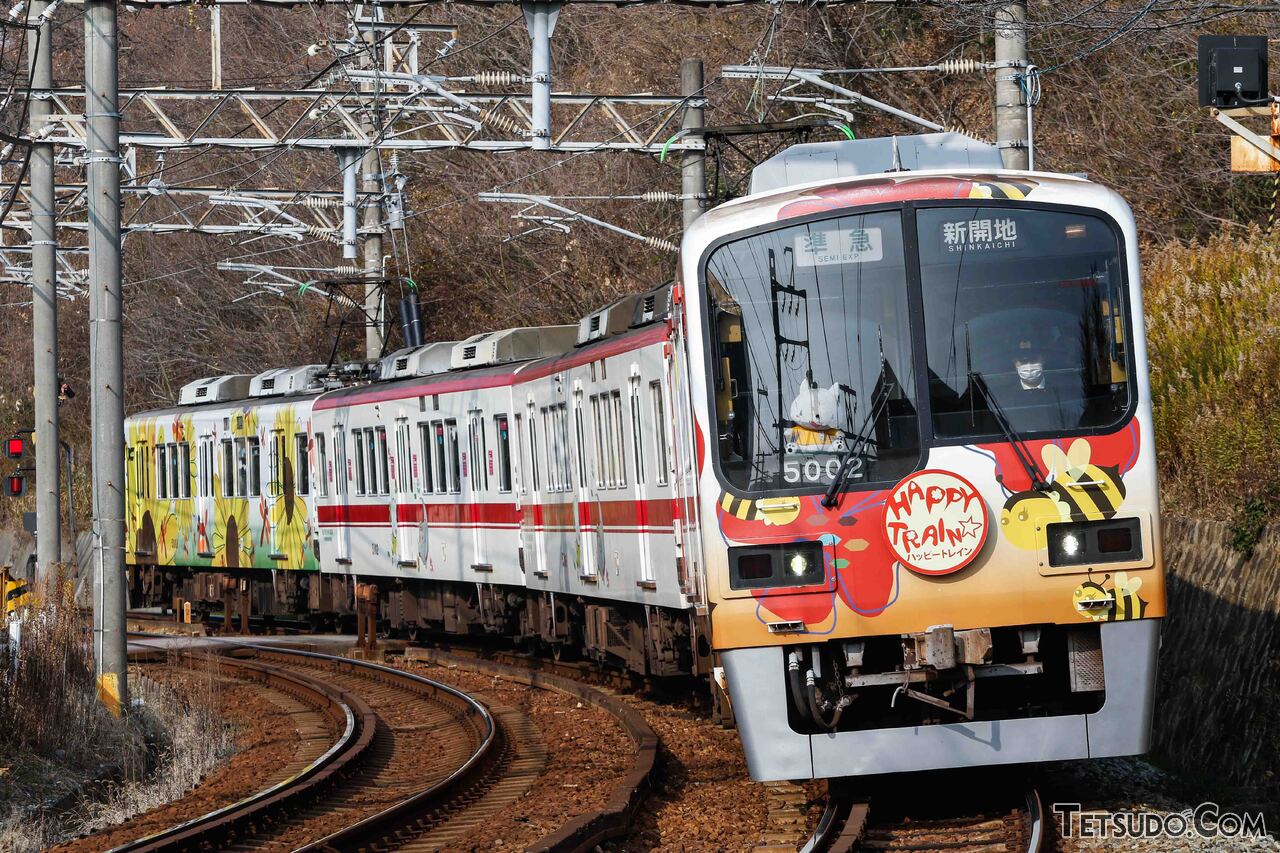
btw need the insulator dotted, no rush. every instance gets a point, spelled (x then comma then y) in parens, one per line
(661, 243)
(500, 122)
(319, 202)
(660, 195)
(494, 78)
(960, 66)
(348, 271)
(324, 233)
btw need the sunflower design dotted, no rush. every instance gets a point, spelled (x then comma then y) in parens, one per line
(151, 530)
(232, 538)
(288, 514)
(184, 515)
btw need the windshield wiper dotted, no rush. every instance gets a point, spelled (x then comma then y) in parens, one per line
(1038, 482)
(859, 446)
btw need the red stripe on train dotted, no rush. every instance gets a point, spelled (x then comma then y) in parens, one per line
(651, 514)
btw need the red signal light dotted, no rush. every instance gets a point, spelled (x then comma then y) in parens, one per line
(15, 447)
(15, 485)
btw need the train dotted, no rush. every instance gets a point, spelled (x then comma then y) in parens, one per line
(877, 464)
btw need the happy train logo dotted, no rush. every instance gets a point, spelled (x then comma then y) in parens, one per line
(935, 522)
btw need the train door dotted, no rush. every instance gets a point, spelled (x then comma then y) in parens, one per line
(275, 488)
(403, 475)
(204, 497)
(341, 478)
(533, 519)
(680, 430)
(586, 515)
(644, 555)
(478, 463)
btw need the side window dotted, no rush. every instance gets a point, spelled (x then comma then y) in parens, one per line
(579, 433)
(205, 469)
(384, 479)
(598, 423)
(637, 431)
(302, 471)
(162, 473)
(370, 461)
(404, 462)
(275, 464)
(504, 452)
(180, 468)
(427, 452)
(619, 441)
(242, 467)
(228, 468)
(341, 473)
(357, 443)
(255, 467)
(442, 469)
(455, 456)
(533, 448)
(322, 466)
(663, 460)
(473, 449)
(518, 434)
(566, 471)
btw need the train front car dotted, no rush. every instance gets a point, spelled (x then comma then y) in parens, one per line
(923, 400)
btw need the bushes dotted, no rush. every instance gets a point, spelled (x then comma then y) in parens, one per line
(1213, 330)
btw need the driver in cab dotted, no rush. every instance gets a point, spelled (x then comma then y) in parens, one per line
(1039, 399)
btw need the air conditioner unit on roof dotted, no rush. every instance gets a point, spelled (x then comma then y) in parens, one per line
(612, 319)
(288, 380)
(215, 389)
(513, 345)
(418, 361)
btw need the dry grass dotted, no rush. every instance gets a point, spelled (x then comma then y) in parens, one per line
(1213, 326)
(58, 734)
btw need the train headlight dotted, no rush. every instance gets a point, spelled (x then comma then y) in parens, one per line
(1079, 543)
(775, 565)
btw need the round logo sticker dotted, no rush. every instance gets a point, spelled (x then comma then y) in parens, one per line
(935, 521)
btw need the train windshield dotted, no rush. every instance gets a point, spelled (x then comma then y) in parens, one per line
(1030, 302)
(814, 354)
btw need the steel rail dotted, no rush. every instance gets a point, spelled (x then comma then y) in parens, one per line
(200, 832)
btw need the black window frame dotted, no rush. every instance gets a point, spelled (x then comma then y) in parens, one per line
(916, 322)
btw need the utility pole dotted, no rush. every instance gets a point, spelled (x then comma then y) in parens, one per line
(44, 301)
(215, 46)
(693, 168)
(102, 154)
(375, 330)
(1011, 103)
(540, 18)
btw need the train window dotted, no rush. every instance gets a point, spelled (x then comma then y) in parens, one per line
(342, 471)
(370, 461)
(473, 445)
(174, 486)
(504, 452)
(275, 476)
(812, 354)
(403, 465)
(485, 461)
(562, 437)
(228, 468)
(302, 470)
(204, 469)
(242, 468)
(578, 433)
(322, 466)
(162, 475)
(663, 460)
(1025, 317)
(255, 467)
(637, 433)
(620, 441)
(184, 470)
(517, 463)
(424, 443)
(383, 464)
(357, 441)
(455, 462)
(533, 449)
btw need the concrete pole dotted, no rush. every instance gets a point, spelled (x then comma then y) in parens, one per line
(540, 19)
(102, 123)
(215, 46)
(693, 168)
(375, 334)
(44, 305)
(1011, 105)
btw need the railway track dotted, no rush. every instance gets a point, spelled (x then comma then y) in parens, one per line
(391, 760)
(846, 825)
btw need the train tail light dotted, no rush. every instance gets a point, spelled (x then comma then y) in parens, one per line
(779, 564)
(1079, 543)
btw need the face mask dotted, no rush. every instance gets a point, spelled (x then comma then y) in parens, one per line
(1031, 373)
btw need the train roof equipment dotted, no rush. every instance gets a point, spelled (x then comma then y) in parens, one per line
(215, 389)
(426, 360)
(283, 381)
(520, 344)
(825, 161)
(613, 319)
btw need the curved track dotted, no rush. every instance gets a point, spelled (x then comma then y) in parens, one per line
(845, 826)
(411, 752)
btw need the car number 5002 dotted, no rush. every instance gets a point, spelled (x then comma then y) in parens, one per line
(810, 471)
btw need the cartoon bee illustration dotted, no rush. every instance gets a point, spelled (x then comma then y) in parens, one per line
(775, 511)
(1094, 601)
(1077, 490)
